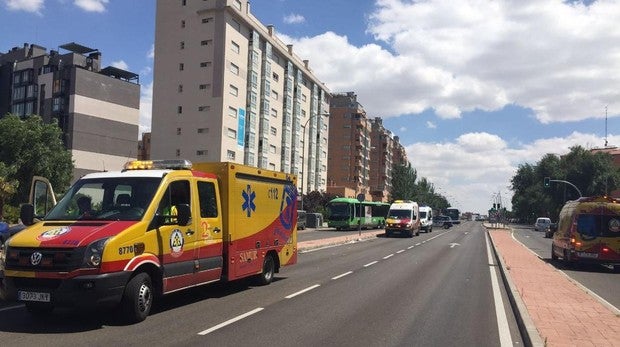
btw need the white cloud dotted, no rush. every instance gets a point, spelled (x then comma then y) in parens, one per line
(558, 58)
(402, 129)
(294, 19)
(151, 53)
(431, 125)
(477, 165)
(91, 5)
(120, 65)
(146, 108)
(34, 6)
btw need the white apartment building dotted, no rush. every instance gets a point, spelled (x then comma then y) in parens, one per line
(227, 89)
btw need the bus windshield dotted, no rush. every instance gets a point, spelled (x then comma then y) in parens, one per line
(338, 210)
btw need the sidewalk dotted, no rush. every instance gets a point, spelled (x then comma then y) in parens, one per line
(552, 310)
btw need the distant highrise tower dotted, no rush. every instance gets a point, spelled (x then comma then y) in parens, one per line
(227, 89)
(97, 109)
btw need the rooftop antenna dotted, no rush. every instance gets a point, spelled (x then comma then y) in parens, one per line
(605, 126)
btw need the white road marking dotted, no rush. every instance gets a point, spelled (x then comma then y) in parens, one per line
(230, 321)
(302, 291)
(388, 256)
(417, 244)
(399, 252)
(452, 245)
(502, 322)
(342, 275)
(371, 263)
(410, 247)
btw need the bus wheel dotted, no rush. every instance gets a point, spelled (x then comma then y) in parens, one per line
(269, 267)
(137, 298)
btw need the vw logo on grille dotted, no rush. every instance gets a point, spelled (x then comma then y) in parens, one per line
(35, 258)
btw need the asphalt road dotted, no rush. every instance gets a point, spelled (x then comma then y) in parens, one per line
(432, 290)
(600, 280)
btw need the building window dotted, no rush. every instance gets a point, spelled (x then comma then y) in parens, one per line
(181, 66)
(234, 47)
(182, 45)
(230, 155)
(238, 4)
(273, 131)
(235, 25)
(274, 113)
(204, 86)
(275, 95)
(203, 108)
(178, 152)
(182, 24)
(272, 166)
(207, 20)
(232, 112)
(234, 69)
(179, 109)
(202, 130)
(183, 2)
(178, 131)
(232, 133)
(233, 90)
(202, 152)
(205, 64)
(206, 42)
(275, 76)
(272, 149)
(180, 88)
(303, 97)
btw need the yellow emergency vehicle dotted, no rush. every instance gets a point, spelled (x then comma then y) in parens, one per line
(154, 228)
(588, 230)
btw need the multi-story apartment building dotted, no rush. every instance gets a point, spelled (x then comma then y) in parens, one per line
(227, 89)
(144, 147)
(97, 109)
(349, 147)
(399, 155)
(381, 156)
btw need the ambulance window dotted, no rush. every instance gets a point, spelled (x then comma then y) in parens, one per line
(208, 202)
(176, 194)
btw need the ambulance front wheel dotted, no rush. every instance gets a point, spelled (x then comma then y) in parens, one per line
(269, 267)
(137, 298)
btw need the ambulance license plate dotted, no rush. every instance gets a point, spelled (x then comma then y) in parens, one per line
(33, 296)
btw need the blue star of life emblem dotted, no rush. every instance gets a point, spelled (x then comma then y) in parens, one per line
(248, 200)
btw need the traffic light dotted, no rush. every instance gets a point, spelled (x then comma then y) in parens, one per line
(494, 205)
(547, 182)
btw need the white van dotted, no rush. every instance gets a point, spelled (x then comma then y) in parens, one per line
(426, 219)
(404, 218)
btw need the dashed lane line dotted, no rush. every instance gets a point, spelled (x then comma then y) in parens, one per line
(302, 291)
(342, 275)
(230, 321)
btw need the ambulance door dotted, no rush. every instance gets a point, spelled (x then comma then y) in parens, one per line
(209, 250)
(177, 242)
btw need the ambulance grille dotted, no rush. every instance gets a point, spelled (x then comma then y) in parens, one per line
(50, 259)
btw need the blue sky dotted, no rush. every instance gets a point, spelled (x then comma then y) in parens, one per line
(472, 88)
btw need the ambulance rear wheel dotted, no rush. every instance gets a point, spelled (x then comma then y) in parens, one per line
(137, 298)
(269, 267)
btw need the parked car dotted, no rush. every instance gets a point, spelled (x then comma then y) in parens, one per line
(542, 223)
(301, 219)
(550, 230)
(442, 221)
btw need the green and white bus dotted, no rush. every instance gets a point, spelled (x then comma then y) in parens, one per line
(345, 213)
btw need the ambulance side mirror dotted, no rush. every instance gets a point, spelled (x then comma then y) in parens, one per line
(26, 214)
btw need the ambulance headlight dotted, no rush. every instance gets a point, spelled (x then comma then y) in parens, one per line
(94, 253)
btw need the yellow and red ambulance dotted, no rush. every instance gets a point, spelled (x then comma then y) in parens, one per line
(588, 231)
(156, 227)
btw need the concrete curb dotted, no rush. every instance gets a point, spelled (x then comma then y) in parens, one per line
(531, 336)
(307, 246)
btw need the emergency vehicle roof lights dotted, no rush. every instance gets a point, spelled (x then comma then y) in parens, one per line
(171, 164)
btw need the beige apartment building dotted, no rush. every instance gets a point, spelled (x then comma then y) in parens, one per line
(96, 108)
(227, 89)
(361, 151)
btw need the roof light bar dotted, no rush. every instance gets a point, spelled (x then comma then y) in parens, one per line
(171, 164)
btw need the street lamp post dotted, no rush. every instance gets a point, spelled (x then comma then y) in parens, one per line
(303, 155)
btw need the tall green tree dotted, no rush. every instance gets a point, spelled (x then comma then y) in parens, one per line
(33, 147)
(403, 182)
(592, 173)
(8, 187)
